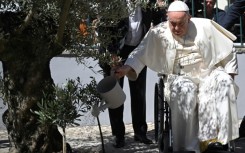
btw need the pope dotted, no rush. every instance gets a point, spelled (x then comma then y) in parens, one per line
(198, 57)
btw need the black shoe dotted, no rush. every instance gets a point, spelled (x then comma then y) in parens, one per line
(217, 146)
(143, 139)
(119, 142)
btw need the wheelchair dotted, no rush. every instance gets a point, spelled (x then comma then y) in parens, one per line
(162, 121)
(162, 118)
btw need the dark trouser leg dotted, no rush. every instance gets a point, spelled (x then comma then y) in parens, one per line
(138, 103)
(115, 115)
(117, 124)
(116, 119)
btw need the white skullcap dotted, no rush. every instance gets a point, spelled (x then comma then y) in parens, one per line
(178, 6)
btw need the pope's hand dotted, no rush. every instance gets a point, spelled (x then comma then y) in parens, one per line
(122, 71)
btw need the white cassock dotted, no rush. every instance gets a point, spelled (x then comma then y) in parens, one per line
(201, 94)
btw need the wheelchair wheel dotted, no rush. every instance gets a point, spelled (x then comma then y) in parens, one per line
(167, 130)
(156, 125)
(164, 143)
(159, 113)
(231, 146)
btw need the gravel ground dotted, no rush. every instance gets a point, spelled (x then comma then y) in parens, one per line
(86, 139)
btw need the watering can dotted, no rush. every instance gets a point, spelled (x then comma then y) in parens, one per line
(111, 92)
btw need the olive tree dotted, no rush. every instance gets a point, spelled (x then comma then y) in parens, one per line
(32, 32)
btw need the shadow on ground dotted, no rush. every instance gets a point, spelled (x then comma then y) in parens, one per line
(90, 144)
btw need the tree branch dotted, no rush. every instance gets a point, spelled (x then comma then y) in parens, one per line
(63, 19)
(26, 21)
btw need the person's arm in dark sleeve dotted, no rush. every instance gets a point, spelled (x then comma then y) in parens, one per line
(233, 13)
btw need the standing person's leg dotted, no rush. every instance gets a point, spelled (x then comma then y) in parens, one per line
(138, 104)
(183, 105)
(116, 115)
(138, 100)
(117, 124)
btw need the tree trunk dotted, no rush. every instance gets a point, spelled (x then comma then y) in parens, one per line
(27, 79)
(64, 139)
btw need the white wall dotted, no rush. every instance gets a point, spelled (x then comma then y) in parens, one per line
(222, 4)
(63, 68)
(59, 65)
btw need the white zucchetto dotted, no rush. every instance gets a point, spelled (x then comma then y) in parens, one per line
(178, 6)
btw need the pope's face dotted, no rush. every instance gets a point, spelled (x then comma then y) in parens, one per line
(178, 23)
